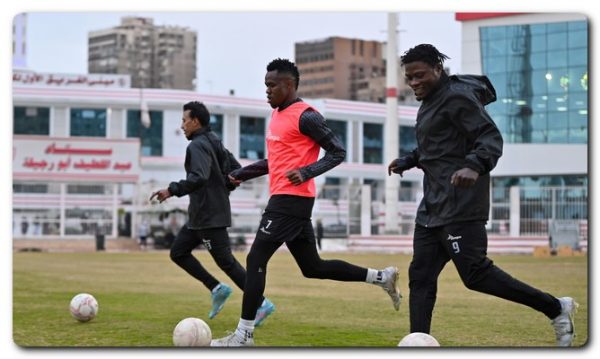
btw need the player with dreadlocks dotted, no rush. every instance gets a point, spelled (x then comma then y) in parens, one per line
(295, 136)
(458, 145)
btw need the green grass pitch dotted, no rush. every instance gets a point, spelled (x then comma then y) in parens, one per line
(143, 295)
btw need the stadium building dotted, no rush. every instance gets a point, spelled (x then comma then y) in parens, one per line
(85, 153)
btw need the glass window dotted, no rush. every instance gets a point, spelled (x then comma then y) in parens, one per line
(538, 29)
(577, 25)
(498, 47)
(501, 122)
(560, 27)
(557, 58)
(151, 137)
(539, 81)
(31, 120)
(558, 135)
(30, 188)
(88, 122)
(554, 82)
(408, 140)
(372, 143)
(550, 74)
(496, 64)
(578, 135)
(340, 129)
(538, 60)
(216, 125)
(539, 121)
(558, 120)
(252, 137)
(579, 78)
(578, 101)
(557, 41)
(538, 43)
(578, 39)
(89, 189)
(578, 124)
(578, 57)
(496, 32)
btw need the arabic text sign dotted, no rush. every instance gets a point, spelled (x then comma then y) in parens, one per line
(82, 159)
(27, 78)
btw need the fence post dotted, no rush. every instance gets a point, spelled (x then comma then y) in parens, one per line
(365, 211)
(515, 211)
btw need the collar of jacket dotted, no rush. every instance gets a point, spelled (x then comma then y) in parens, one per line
(444, 78)
(199, 131)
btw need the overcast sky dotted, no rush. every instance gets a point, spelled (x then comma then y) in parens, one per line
(234, 47)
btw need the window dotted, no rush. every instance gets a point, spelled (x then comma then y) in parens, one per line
(372, 143)
(151, 138)
(216, 125)
(88, 122)
(545, 67)
(89, 189)
(31, 120)
(408, 140)
(252, 137)
(339, 128)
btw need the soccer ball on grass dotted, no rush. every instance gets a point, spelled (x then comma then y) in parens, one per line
(83, 307)
(192, 332)
(418, 340)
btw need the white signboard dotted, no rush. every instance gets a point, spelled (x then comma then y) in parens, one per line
(75, 159)
(28, 78)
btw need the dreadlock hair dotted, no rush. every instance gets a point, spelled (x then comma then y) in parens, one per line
(285, 66)
(199, 111)
(426, 53)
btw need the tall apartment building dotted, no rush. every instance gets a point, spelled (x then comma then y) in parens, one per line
(154, 56)
(343, 68)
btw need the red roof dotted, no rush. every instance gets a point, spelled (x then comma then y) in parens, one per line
(469, 16)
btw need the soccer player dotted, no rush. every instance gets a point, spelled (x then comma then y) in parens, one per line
(207, 162)
(294, 138)
(458, 145)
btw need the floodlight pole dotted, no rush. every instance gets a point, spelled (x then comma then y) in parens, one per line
(391, 141)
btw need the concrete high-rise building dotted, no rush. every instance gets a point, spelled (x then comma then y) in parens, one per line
(154, 56)
(344, 68)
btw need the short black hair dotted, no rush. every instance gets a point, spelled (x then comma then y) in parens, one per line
(285, 66)
(199, 111)
(426, 53)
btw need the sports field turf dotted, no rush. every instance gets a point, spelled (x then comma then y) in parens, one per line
(143, 295)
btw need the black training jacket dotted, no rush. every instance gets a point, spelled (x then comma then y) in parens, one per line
(454, 131)
(209, 198)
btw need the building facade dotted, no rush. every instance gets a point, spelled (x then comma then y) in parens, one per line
(346, 69)
(154, 56)
(82, 154)
(538, 64)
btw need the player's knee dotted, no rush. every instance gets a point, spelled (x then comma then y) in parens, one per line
(225, 262)
(176, 256)
(470, 283)
(310, 273)
(314, 272)
(253, 262)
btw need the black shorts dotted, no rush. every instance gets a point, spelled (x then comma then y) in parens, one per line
(280, 227)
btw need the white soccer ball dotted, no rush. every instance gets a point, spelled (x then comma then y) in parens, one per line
(83, 307)
(192, 332)
(418, 340)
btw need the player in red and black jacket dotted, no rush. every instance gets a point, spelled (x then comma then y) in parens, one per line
(294, 138)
